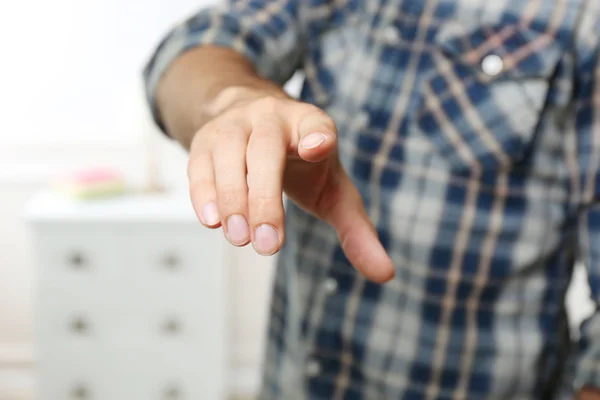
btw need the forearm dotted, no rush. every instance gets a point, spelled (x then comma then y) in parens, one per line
(193, 88)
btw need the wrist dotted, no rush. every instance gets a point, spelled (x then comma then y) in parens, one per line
(238, 95)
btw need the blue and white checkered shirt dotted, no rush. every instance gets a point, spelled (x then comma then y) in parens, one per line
(472, 130)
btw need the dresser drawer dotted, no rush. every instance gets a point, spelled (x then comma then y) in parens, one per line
(178, 257)
(178, 375)
(149, 374)
(76, 371)
(81, 255)
(169, 253)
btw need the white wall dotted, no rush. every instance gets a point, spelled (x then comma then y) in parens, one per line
(71, 97)
(68, 65)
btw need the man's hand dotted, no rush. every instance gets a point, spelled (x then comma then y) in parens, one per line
(249, 142)
(258, 145)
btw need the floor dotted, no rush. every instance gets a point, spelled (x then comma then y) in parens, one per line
(27, 395)
(18, 384)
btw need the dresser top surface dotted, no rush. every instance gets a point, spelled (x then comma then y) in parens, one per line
(157, 207)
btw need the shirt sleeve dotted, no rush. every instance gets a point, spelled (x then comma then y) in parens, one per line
(587, 365)
(267, 32)
(583, 155)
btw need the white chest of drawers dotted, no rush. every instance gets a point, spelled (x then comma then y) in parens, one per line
(130, 300)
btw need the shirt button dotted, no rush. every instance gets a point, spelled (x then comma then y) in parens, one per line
(313, 368)
(492, 65)
(330, 285)
(391, 35)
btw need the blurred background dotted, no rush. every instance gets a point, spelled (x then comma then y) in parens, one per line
(123, 297)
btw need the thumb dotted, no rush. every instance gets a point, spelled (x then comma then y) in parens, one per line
(316, 135)
(357, 235)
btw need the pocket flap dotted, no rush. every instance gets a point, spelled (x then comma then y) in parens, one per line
(521, 51)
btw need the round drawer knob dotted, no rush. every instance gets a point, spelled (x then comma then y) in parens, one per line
(80, 325)
(77, 260)
(171, 326)
(171, 261)
(80, 392)
(172, 393)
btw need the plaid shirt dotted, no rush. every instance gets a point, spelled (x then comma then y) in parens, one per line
(472, 130)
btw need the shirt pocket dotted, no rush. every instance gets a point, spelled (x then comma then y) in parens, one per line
(481, 102)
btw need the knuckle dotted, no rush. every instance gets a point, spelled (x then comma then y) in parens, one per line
(231, 197)
(215, 131)
(268, 128)
(225, 147)
(265, 196)
(268, 104)
(229, 131)
(328, 123)
(267, 122)
(232, 92)
(313, 117)
(265, 205)
(311, 109)
(266, 142)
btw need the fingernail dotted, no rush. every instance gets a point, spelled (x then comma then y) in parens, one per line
(210, 214)
(266, 239)
(312, 140)
(237, 229)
